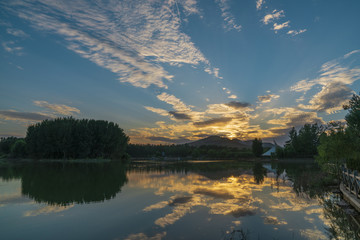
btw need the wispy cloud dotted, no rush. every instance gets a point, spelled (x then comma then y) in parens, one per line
(259, 4)
(12, 48)
(159, 111)
(281, 26)
(294, 32)
(170, 140)
(267, 98)
(330, 99)
(23, 116)
(273, 16)
(180, 116)
(58, 108)
(143, 236)
(276, 15)
(47, 210)
(334, 78)
(17, 32)
(351, 53)
(177, 104)
(288, 117)
(214, 72)
(213, 122)
(233, 96)
(229, 19)
(129, 38)
(237, 105)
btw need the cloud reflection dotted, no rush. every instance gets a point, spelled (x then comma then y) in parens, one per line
(237, 195)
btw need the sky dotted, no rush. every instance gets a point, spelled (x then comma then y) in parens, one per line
(174, 71)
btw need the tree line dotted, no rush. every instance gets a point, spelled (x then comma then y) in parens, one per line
(68, 138)
(185, 150)
(332, 145)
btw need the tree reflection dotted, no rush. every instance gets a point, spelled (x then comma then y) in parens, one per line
(259, 172)
(342, 225)
(64, 184)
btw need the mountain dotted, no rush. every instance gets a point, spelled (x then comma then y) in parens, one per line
(225, 142)
(219, 141)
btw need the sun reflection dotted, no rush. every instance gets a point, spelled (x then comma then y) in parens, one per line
(236, 195)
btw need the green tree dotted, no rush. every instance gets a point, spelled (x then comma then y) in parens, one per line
(72, 138)
(303, 143)
(18, 149)
(5, 145)
(257, 147)
(334, 148)
(340, 143)
(353, 117)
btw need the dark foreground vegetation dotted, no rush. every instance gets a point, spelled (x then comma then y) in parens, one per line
(68, 138)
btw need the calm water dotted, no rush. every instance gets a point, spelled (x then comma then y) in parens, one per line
(192, 200)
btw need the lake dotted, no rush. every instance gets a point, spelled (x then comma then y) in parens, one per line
(174, 200)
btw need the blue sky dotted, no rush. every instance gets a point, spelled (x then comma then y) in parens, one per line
(174, 71)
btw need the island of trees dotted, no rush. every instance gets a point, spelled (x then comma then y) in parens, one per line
(69, 138)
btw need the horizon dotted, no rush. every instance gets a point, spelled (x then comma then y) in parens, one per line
(176, 71)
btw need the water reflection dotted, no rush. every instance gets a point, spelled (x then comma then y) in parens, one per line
(342, 225)
(65, 184)
(217, 200)
(243, 192)
(259, 172)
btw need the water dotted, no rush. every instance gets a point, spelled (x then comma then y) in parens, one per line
(154, 200)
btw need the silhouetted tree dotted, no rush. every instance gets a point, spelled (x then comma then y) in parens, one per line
(257, 147)
(303, 143)
(74, 138)
(18, 149)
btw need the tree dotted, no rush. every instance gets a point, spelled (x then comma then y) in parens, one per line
(353, 117)
(334, 148)
(18, 149)
(340, 143)
(6, 143)
(257, 147)
(304, 142)
(73, 138)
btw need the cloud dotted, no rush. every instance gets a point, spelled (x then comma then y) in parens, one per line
(303, 86)
(169, 140)
(130, 38)
(291, 117)
(281, 26)
(143, 236)
(16, 32)
(159, 111)
(177, 104)
(351, 53)
(47, 210)
(58, 108)
(273, 16)
(190, 6)
(267, 98)
(334, 77)
(237, 105)
(213, 122)
(180, 116)
(229, 19)
(233, 96)
(9, 47)
(330, 99)
(214, 72)
(259, 4)
(294, 32)
(23, 116)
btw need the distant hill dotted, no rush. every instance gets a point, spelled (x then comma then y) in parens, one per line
(225, 142)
